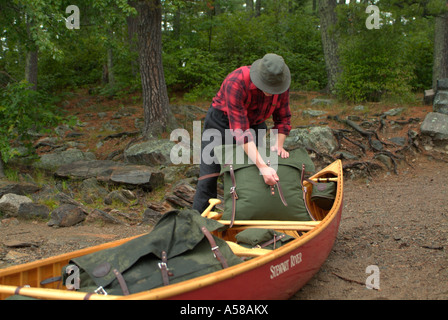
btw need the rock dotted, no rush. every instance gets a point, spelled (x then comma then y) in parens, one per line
(33, 210)
(393, 112)
(10, 204)
(151, 216)
(182, 195)
(115, 172)
(435, 125)
(86, 169)
(19, 244)
(102, 216)
(377, 145)
(318, 138)
(91, 190)
(20, 188)
(346, 155)
(428, 97)
(151, 152)
(66, 215)
(52, 161)
(442, 84)
(313, 113)
(441, 102)
(142, 176)
(326, 102)
(387, 161)
(398, 140)
(15, 255)
(116, 196)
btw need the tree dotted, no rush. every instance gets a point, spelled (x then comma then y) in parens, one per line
(158, 117)
(328, 21)
(440, 67)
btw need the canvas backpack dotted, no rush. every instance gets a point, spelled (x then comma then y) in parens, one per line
(180, 247)
(248, 197)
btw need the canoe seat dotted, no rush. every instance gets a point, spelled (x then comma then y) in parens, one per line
(246, 252)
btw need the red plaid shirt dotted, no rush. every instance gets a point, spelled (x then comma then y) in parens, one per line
(232, 100)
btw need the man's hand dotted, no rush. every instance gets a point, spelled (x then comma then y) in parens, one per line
(281, 152)
(269, 175)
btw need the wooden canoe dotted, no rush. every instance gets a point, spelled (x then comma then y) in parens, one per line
(271, 274)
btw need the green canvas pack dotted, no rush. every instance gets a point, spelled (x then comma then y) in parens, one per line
(323, 194)
(262, 238)
(178, 248)
(248, 197)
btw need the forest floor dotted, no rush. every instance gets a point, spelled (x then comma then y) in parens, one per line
(397, 223)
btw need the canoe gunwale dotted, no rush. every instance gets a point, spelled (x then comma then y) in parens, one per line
(171, 291)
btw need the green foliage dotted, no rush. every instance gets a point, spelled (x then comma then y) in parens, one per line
(205, 40)
(23, 112)
(374, 66)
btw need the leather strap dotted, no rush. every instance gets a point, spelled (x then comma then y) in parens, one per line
(215, 248)
(121, 282)
(234, 195)
(210, 175)
(272, 241)
(164, 269)
(280, 192)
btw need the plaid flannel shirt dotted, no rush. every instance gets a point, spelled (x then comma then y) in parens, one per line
(232, 100)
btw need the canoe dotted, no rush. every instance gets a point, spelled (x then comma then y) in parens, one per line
(267, 275)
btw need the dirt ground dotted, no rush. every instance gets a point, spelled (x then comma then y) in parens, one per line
(396, 224)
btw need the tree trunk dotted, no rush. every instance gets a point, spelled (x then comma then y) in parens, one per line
(158, 117)
(31, 56)
(110, 67)
(132, 25)
(31, 68)
(258, 8)
(328, 20)
(2, 168)
(440, 66)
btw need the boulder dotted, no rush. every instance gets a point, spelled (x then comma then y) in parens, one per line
(98, 215)
(313, 113)
(86, 169)
(322, 102)
(319, 138)
(141, 176)
(66, 215)
(10, 204)
(52, 161)
(33, 210)
(435, 126)
(113, 172)
(440, 103)
(151, 152)
(20, 188)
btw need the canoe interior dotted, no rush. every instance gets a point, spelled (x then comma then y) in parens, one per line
(35, 274)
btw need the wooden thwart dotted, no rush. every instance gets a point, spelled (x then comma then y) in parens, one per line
(270, 224)
(246, 252)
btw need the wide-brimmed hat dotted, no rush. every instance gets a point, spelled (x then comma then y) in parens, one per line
(271, 74)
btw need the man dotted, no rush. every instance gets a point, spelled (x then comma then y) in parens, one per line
(248, 96)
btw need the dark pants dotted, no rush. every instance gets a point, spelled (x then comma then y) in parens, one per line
(207, 188)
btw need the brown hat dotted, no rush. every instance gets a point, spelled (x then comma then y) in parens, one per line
(271, 74)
